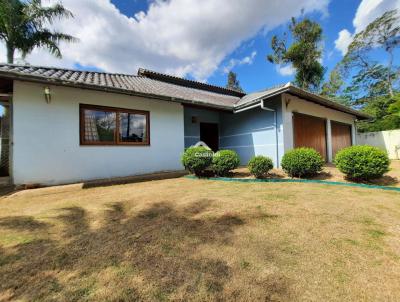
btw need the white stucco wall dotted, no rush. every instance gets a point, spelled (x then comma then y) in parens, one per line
(386, 140)
(292, 104)
(46, 137)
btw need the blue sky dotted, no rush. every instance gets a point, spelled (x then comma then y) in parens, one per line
(200, 40)
(262, 74)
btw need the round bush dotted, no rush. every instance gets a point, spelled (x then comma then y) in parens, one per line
(197, 159)
(302, 162)
(362, 162)
(260, 165)
(225, 161)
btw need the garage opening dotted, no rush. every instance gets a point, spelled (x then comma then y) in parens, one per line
(310, 131)
(341, 137)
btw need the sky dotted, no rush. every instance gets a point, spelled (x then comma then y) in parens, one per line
(200, 40)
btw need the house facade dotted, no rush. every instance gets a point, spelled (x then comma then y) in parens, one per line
(63, 126)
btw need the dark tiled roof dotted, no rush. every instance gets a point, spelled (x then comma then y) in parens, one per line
(156, 85)
(188, 83)
(255, 97)
(122, 83)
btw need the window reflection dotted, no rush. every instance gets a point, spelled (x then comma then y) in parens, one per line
(99, 126)
(132, 127)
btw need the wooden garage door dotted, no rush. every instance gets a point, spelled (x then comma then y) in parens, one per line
(310, 132)
(341, 137)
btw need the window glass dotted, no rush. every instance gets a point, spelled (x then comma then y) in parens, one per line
(113, 126)
(133, 127)
(99, 126)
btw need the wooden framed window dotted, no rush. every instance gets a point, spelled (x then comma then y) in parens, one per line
(113, 126)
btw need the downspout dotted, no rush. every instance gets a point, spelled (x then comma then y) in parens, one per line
(261, 105)
(276, 130)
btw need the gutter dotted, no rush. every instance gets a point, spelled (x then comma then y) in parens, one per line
(304, 94)
(244, 106)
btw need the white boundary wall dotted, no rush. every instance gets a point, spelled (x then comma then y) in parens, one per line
(386, 140)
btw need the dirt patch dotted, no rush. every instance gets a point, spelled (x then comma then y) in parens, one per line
(331, 173)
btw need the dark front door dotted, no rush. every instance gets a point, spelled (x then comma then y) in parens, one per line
(209, 135)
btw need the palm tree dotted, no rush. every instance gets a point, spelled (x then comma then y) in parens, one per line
(23, 27)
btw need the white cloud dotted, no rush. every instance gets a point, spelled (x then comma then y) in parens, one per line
(177, 36)
(367, 11)
(248, 60)
(343, 41)
(287, 70)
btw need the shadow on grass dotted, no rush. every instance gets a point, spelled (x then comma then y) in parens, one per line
(158, 244)
(22, 223)
(385, 180)
(132, 179)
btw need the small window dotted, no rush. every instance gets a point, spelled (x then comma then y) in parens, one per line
(113, 126)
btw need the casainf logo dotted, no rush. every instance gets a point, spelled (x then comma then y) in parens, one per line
(202, 144)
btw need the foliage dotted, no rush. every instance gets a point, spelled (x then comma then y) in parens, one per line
(362, 162)
(383, 33)
(23, 27)
(332, 88)
(394, 107)
(197, 159)
(364, 80)
(225, 161)
(386, 111)
(260, 165)
(302, 162)
(304, 54)
(233, 82)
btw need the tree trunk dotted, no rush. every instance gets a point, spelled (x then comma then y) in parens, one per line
(10, 54)
(389, 75)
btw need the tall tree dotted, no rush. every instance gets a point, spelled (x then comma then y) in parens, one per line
(383, 33)
(333, 88)
(23, 26)
(233, 82)
(304, 54)
(369, 82)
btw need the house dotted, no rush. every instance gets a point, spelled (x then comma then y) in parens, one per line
(61, 126)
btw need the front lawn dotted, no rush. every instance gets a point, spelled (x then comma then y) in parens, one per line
(186, 239)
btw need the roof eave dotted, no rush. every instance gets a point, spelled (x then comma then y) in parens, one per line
(327, 103)
(309, 96)
(267, 95)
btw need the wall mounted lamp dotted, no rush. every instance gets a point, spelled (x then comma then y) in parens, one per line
(47, 95)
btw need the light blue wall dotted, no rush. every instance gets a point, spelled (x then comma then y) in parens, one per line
(253, 132)
(192, 130)
(249, 133)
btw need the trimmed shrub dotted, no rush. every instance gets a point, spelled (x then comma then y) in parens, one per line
(260, 165)
(197, 159)
(362, 162)
(302, 162)
(225, 161)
